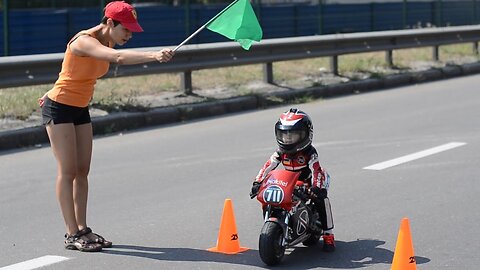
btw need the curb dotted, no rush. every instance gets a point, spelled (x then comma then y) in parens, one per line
(119, 122)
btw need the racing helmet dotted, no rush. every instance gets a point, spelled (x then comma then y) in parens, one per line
(294, 131)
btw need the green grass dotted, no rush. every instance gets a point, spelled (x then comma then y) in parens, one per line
(20, 102)
(118, 94)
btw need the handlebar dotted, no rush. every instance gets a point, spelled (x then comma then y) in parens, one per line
(301, 192)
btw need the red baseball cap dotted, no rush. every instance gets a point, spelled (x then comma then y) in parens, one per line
(124, 13)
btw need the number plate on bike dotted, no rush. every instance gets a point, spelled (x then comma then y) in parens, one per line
(273, 194)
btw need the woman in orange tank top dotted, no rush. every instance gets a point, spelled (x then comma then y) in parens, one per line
(67, 120)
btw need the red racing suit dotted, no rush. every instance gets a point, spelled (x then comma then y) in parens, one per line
(307, 162)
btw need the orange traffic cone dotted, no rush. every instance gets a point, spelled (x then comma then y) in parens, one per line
(228, 241)
(404, 258)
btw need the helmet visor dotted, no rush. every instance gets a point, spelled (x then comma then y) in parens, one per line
(290, 136)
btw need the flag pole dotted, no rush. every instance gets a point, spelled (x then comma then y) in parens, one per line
(203, 26)
(190, 37)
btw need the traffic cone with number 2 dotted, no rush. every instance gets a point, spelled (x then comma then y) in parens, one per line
(404, 258)
(228, 241)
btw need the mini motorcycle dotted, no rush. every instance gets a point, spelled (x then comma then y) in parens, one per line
(290, 217)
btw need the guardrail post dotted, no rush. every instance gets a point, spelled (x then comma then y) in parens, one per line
(186, 82)
(389, 58)
(268, 73)
(475, 48)
(436, 53)
(334, 64)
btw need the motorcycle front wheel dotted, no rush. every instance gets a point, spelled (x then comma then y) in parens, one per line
(270, 243)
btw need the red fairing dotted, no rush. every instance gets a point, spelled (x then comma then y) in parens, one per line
(277, 189)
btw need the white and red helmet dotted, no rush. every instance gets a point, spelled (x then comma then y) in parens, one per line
(294, 131)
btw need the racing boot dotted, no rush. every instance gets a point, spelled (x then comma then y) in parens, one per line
(328, 242)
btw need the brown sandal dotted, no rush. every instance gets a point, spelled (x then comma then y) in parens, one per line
(79, 242)
(96, 238)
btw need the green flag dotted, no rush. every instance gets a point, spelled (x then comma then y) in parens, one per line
(237, 22)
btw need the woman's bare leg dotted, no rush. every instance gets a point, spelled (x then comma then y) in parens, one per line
(63, 141)
(80, 185)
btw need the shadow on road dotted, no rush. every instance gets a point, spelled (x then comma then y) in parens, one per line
(349, 255)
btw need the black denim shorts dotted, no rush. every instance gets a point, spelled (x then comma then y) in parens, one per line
(58, 113)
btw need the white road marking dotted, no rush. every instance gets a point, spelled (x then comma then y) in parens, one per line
(407, 158)
(35, 263)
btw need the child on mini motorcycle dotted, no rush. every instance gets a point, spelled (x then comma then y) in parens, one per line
(294, 133)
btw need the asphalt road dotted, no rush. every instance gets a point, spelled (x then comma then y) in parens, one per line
(158, 193)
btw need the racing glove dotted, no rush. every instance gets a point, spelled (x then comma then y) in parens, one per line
(317, 192)
(255, 188)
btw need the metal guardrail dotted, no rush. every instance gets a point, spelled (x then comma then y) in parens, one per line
(39, 69)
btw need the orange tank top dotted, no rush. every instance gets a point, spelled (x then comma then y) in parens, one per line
(76, 81)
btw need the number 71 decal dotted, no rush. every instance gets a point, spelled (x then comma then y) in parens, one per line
(273, 194)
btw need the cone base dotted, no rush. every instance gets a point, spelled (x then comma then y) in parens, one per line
(215, 249)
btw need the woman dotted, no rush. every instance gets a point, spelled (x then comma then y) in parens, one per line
(65, 113)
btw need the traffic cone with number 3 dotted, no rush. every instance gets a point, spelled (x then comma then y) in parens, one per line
(228, 241)
(404, 258)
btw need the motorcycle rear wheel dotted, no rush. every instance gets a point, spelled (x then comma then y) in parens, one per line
(270, 243)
